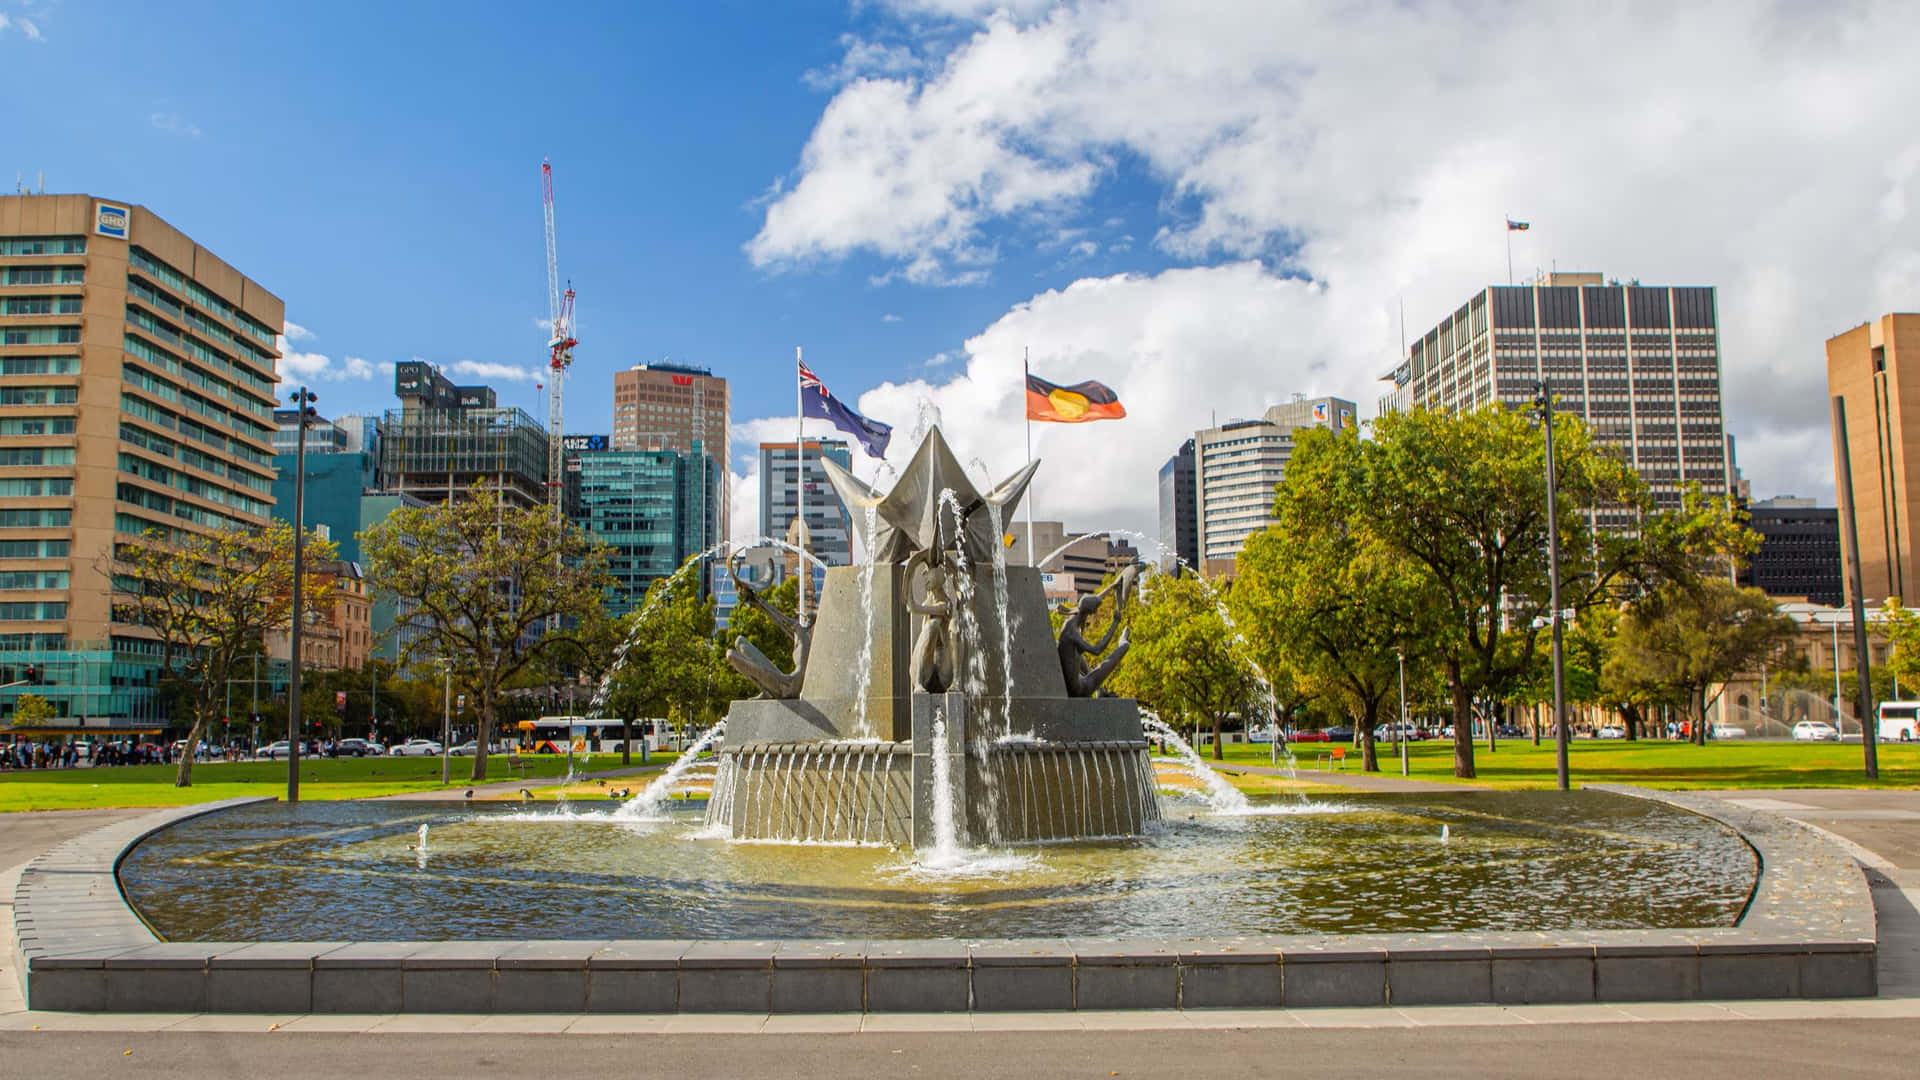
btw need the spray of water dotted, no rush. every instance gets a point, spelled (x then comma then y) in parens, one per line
(1222, 797)
(646, 805)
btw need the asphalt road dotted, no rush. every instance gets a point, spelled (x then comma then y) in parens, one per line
(1740, 1051)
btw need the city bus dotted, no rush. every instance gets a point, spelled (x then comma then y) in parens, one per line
(579, 735)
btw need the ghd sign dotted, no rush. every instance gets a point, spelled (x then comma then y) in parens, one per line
(111, 220)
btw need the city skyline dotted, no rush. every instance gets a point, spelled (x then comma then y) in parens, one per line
(871, 182)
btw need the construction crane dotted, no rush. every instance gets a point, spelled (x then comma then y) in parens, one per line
(559, 348)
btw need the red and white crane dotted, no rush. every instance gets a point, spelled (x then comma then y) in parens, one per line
(560, 350)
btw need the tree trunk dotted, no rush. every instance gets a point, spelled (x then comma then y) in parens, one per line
(1219, 751)
(1462, 723)
(183, 774)
(483, 734)
(1700, 717)
(1369, 755)
(1630, 719)
(626, 741)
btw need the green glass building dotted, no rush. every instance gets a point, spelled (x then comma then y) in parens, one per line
(653, 508)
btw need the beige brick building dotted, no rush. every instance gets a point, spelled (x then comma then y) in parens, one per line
(1875, 369)
(137, 388)
(675, 407)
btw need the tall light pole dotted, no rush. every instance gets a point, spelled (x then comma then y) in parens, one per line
(1862, 657)
(446, 717)
(303, 400)
(1401, 656)
(1544, 399)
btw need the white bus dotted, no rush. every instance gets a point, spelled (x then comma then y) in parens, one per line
(579, 735)
(1899, 721)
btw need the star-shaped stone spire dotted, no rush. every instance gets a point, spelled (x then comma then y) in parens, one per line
(918, 514)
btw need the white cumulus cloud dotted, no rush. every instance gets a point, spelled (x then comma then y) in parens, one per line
(1374, 151)
(483, 369)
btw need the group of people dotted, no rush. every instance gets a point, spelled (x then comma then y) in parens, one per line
(30, 755)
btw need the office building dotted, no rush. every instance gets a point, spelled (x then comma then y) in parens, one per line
(654, 508)
(1867, 369)
(828, 523)
(1640, 363)
(445, 438)
(1179, 516)
(137, 393)
(322, 436)
(1072, 564)
(667, 406)
(1236, 467)
(1799, 554)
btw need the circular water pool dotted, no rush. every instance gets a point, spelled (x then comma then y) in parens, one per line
(1358, 864)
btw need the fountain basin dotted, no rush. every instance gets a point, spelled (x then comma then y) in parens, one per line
(1807, 930)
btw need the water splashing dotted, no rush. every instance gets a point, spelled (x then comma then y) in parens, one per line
(420, 849)
(1222, 797)
(646, 805)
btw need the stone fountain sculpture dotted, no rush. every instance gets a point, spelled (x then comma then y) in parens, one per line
(934, 634)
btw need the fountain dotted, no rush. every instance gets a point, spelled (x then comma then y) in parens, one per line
(911, 674)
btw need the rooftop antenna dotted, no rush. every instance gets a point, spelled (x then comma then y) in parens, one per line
(43, 182)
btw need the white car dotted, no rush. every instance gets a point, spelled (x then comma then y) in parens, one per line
(417, 748)
(273, 751)
(465, 749)
(1611, 732)
(1727, 731)
(1815, 731)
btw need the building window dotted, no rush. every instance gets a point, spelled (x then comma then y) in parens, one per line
(40, 335)
(39, 395)
(36, 425)
(43, 245)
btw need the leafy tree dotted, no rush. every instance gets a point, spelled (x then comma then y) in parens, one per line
(1324, 600)
(478, 581)
(1184, 661)
(673, 668)
(1465, 497)
(210, 599)
(31, 709)
(1685, 638)
(1902, 627)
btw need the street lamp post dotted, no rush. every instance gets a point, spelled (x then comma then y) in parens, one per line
(303, 400)
(1401, 656)
(446, 718)
(1544, 400)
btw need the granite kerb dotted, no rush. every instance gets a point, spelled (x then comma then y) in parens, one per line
(1808, 931)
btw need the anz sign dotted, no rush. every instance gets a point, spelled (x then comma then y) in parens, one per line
(577, 443)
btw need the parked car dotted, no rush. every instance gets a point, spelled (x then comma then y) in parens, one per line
(356, 748)
(1611, 732)
(417, 748)
(1815, 731)
(1306, 736)
(274, 751)
(465, 749)
(1727, 731)
(1388, 732)
(1340, 733)
(1509, 731)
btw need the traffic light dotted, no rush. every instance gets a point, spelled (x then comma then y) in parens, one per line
(33, 674)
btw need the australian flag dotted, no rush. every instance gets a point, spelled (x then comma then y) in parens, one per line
(817, 403)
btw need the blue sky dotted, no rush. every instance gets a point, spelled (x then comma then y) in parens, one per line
(1209, 204)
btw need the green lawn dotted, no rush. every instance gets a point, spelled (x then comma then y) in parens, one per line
(1657, 764)
(322, 778)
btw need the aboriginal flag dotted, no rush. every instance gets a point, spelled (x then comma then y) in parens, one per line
(1074, 404)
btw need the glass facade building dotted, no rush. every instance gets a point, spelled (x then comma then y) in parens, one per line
(654, 508)
(828, 522)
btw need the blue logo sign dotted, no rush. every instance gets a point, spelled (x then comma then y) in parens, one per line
(111, 220)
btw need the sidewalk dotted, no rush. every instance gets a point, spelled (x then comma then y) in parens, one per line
(496, 789)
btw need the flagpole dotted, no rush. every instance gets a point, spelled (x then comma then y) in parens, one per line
(800, 484)
(1509, 224)
(1026, 368)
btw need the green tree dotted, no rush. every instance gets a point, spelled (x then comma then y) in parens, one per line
(1325, 600)
(672, 669)
(1183, 661)
(1902, 627)
(1685, 638)
(477, 581)
(1465, 497)
(210, 599)
(31, 709)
